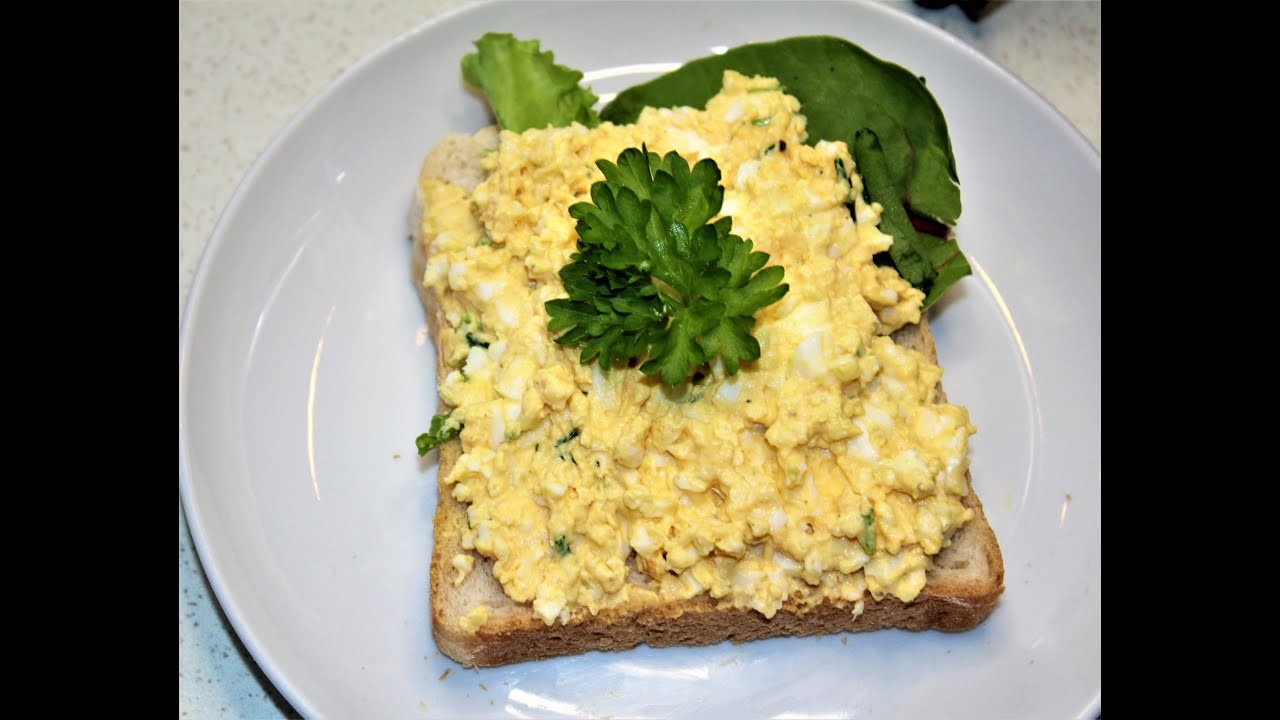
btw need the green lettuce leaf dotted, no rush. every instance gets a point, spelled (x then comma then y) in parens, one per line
(525, 88)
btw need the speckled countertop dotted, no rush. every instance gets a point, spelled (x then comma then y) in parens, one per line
(246, 66)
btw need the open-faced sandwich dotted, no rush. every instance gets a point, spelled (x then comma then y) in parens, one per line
(688, 390)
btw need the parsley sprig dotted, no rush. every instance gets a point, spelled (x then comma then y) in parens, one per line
(653, 274)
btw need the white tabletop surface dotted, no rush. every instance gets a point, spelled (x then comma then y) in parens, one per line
(246, 66)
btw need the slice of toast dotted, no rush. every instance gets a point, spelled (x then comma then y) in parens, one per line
(962, 585)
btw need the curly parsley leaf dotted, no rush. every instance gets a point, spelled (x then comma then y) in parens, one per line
(653, 275)
(443, 429)
(525, 88)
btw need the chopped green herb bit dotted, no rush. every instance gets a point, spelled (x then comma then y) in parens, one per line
(561, 545)
(869, 532)
(841, 173)
(443, 429)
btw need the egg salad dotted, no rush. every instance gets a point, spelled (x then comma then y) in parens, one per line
(822, 471)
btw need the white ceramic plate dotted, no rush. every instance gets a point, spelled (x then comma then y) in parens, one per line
(306, 373)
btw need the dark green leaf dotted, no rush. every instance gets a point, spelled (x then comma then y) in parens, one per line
(950, 263)
(931, 194)
(842, 89)
(909, 253)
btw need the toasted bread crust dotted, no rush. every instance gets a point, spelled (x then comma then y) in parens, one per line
(962, 586)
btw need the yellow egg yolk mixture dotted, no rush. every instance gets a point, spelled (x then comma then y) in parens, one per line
(822, 471)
